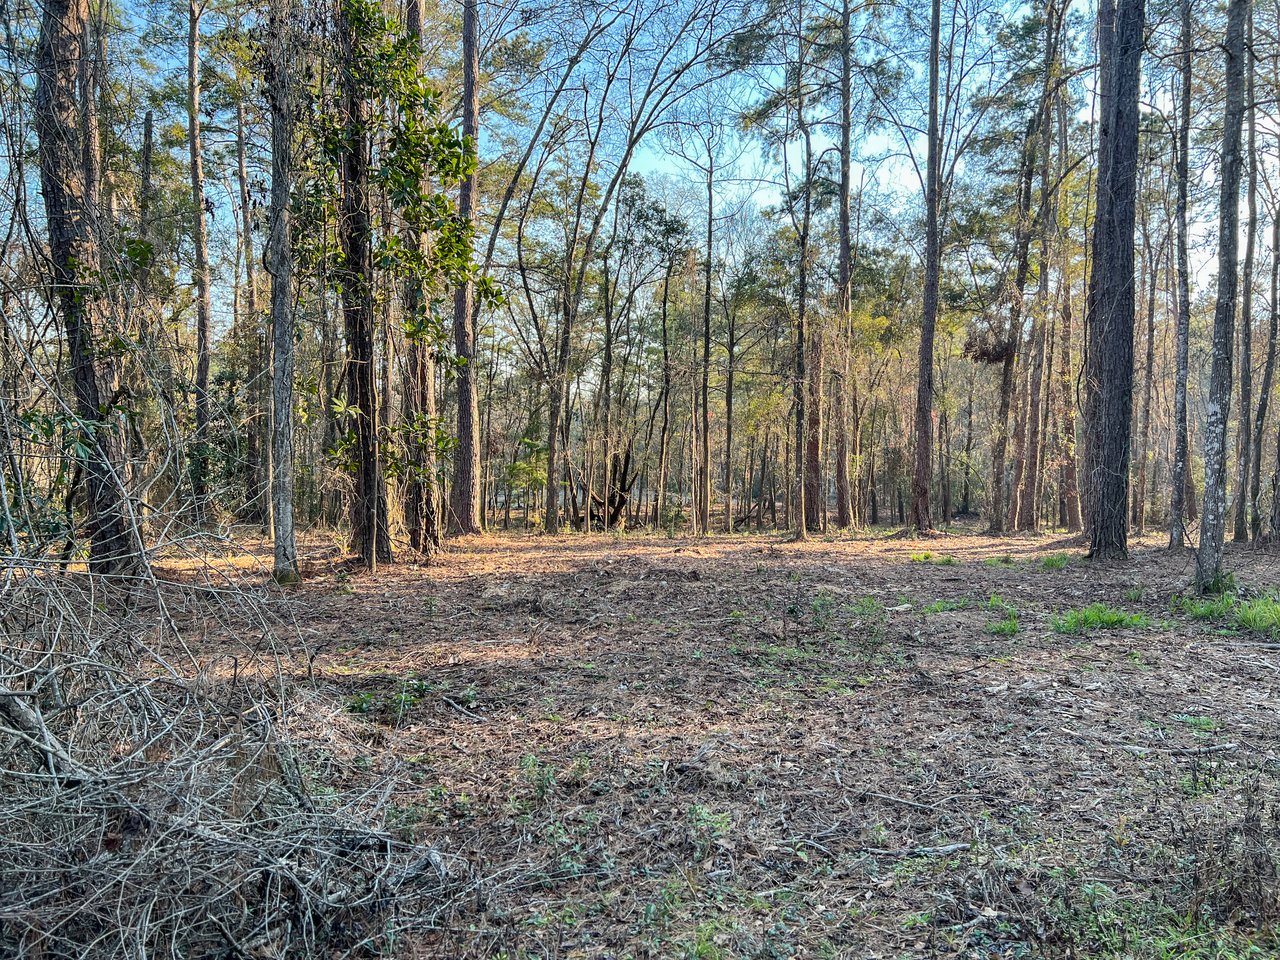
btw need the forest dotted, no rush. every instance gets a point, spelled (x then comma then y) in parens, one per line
(657, 479)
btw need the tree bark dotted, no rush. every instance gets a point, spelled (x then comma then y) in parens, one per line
(1148, 381)
(1268, 375)
(421, 496)
(703, 499)
(1213, 522)
(1244, 445)
(844, 281)
(369, 513)
(200, 458)
(1179, 477)
(464, 495)
(279, 259)
(1109, 373)
(921, 518)
(258, 447)
(62, 115)
(1011, 344)
(1070, 478)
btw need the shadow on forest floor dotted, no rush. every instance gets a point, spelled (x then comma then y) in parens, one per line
(861, 747)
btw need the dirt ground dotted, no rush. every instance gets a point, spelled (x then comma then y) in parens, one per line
(869, 747)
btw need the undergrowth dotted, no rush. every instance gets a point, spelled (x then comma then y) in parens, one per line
(1096, 616)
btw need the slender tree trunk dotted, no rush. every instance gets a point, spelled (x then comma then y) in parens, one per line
(62, 115)
(200, 268)
(1213, 522)
(1268, 375)
(664, 436)
(558, 386)
(464, 496)
(422, 498)
(844, 493)
(731, 360)
(1180, 475)
(257, 440)
(1028, 508)
(1244, 446)
(1148, 380)
(795, 503)
(813, 487)
(1070, 478)
(704, 453)
(1030, 457)
(921, 519)
(796, 511)
(965, 491)
(1011, 344)
(369, 516)
(280, 266)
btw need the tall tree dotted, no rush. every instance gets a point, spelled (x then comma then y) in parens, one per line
(1178, 479)
(200, 267)
(844, 277)
(63, 113)
(1109, 366)
(1213, 522)
(921, 479)
(369, 508)
(279, 263)
(421, 506)
(1268, 377)
(1244, 439)
(464, 495)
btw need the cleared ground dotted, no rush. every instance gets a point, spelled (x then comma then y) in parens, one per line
(871, 747)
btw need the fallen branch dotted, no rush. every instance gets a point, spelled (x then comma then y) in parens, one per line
(917, 851)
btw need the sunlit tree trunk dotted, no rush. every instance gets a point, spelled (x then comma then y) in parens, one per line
(464, 494)
(1213, 522)
(279, 260)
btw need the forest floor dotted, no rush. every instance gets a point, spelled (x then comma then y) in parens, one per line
(865, 747)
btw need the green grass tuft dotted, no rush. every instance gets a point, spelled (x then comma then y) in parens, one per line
(1259, 616)
(1096, 616)
(1008, 627)
(1204, 608)
(1002, 561)
(1000, 604)
(1055, 561)
(945, 606)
